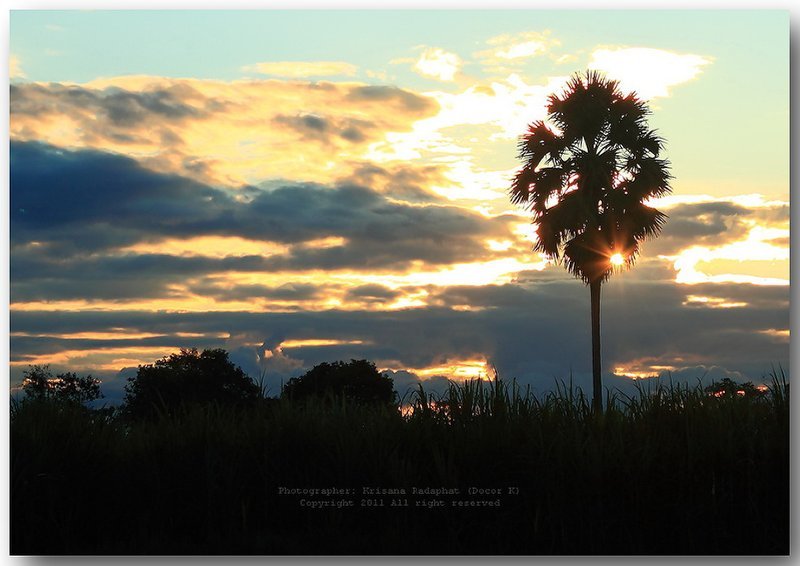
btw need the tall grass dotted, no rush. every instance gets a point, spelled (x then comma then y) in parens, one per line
(669, 470)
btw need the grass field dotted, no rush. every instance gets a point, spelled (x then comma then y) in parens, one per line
(669, 471)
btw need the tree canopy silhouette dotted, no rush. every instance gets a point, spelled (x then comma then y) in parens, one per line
(356, 380)
(38, 383)
(188, 377)
(585, 178)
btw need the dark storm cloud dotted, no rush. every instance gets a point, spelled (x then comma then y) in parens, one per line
(94, 200)
(652, 320)
(69, 209)
(392, 246)
(285, 292)
(305, 212)
(24, 348)
(766, 296)
(535, 334)
(114, 277)
(54, 189)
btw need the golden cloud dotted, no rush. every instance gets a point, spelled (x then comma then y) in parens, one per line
(457, 369)
(737, 239)
(501, 109)
(14, 67)
(230, 133)
(108, 358)
(207, 246)
(740, 261)
(509, 50)
(438, 63)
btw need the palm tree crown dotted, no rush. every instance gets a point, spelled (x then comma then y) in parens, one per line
(586, 179)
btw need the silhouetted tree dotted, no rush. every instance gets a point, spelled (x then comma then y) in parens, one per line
(586, 179)
(38, 383)
(356, 380)
(188, 377)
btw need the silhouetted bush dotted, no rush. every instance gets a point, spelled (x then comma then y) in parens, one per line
(356, 380)
(188, 378)
(729, 388)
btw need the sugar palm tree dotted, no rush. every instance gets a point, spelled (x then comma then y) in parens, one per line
(586, 177)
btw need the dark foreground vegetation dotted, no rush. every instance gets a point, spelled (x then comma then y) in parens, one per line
(673, 470)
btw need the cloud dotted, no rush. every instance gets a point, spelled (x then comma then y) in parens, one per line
(289, 217)
(15, 67)
(507, 51)
(534, 332)
(473, 127)
(242, 132)
(292, 292)
(403, 181)
(70, 194)
(87, 225)
(119, 107)
(229, 133)
(714, 222)
(756, 248)
(321, 128)
(723, 240)
(438, 63)
(346, 248)
(391, 95)
(303, 69)
(649, 72)
(498, 111)
(374, 292)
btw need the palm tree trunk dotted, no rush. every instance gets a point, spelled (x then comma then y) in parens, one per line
(597, 385)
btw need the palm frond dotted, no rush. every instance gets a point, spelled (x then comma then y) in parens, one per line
(555, 224)
(651, 178)
(539, 142)
(548, 238)
(520, 186)
(537, 186)
(546, 182)
(652, 142)
(643, 221)
(628, 215)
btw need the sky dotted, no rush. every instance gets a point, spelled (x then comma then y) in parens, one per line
(309, 186)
